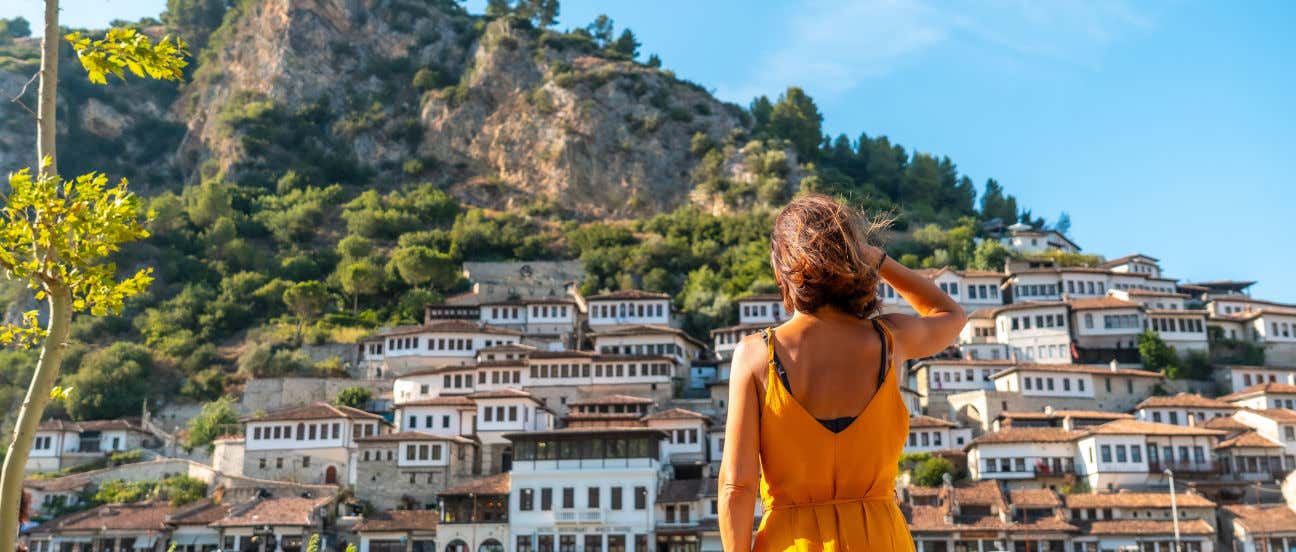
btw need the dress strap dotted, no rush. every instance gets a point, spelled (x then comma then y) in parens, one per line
(775, 365)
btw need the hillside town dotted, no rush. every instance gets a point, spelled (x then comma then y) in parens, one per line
(523, 416)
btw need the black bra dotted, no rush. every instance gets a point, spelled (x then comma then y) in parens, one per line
(835, 425)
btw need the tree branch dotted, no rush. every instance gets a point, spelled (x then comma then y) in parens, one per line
(18, 99)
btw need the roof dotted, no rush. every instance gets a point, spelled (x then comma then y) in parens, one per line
(1058, 414)
(920, 420)
(760, 297)
(400, 520)
(413, 436)
(1107, 302)
(1034, 498)
(627, 294)
(1248, 439)
(118, 424)
(316, 411)
(611, 399)
(677, 414)
(962, 362)
(1024, 305)
(443, 400)
(441, 326)
(1225, 423)
(1095, 369)
(932, 519)
(1191, 400)
(1150, 293)
(502, 394)
(740, 327)
(203, 512)
(1273, 519)
(565, 353)
(1276, 414)
(1149, 527)
(1026, 435)
(981, 314)
(1139, 427)
(497, 484)
(140, 516)
(577, 431)
(642, 329)
(1136, 500)
(1127, 258)
(1269, 388)
(287, 511)
(58, 484)
(683, 490)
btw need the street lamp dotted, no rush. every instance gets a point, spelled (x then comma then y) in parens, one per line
(1174, 510)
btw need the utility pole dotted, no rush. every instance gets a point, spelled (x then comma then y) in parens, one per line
(1174, 510)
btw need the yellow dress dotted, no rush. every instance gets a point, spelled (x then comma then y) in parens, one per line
(826, 491)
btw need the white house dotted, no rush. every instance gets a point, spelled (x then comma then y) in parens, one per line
(1239, 377)
(592, 488)
(1106, 323)
(979, 338)
(308, 444)
(1022, 238)
(1025, 457)
(1133, 452)
(928, 434)
(1264, 395)
(653, 340)
(438, 343)
(475, 517)
(60, 444)
(505, 412)
(447, 415)
(1275, 424)
(685, 430)
(1136, 263)
(628, 308)
(393, 530)
(1141, 521)
(1182, 409)
(1035, 332)
(1260, 528)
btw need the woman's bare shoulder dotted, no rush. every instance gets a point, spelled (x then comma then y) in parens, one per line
(749, 358)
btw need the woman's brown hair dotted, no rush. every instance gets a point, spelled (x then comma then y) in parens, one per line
(817, 252)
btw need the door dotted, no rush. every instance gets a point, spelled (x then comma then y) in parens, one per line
(330, 476)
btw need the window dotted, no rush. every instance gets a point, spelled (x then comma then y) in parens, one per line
(592, 497)
(616, 498)
(641, 498)
(546, 499)
(569, 497)
(526, 500)
(1136, 453)
(1106, 453)
(1120, 453)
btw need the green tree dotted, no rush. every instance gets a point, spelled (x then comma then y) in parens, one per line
(990, 255)
(1063, 224)
(55, 235)
(314, 544)
(626, 44)
(931, 472)
(653, 61)
(17, 27)
(498, 8)
(1157, 356)
(217, 418)
(355, 247)
(996, 204)
(420, 265)
(181, 489)
(796, 118)
(195, 19)
(111, 382)
(601, 29)
(306, 300)
(360, 278)
(354, 397)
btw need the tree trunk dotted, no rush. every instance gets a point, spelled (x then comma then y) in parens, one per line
(29, 416)
(46, 126)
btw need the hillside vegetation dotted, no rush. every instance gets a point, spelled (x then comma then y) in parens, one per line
(329, 164)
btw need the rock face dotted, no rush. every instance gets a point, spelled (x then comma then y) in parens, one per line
(497, 111)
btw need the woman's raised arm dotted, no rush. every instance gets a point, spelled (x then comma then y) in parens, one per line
(939, 320)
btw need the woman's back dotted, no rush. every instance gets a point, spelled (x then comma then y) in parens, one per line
(835, 487)
(816, 424)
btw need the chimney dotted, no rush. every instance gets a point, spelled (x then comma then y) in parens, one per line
(1114, 365)
(1192, 420)
(1048, 409)
(1068, 424)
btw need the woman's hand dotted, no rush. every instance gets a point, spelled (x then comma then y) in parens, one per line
(873, 255)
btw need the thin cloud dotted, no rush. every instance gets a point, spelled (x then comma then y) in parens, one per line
(831, 47)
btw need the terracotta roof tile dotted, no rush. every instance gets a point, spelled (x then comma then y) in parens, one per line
(1249, 439)
(1192, 400)
(677, 414)
(1225, 423)
(400, 520)
(1149, 527)
(1027, 435)
(443, 326)
(316, 411)
(1276, 414)
(283, 511)
(627, 294)
(1139, 427)
(413, 436)
(1095, 369)
(443, 400)
(921, 421)
(497, 484)
(1060, 414)
(1136, 500)
(1106, 302)
(1273, 519)
(138, 516)
(502, 394)
(1034, 498)
(611, 399)
(1271, 388)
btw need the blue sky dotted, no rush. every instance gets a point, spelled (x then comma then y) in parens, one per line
(1163, 127)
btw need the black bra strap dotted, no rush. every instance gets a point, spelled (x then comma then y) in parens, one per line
(886, 344)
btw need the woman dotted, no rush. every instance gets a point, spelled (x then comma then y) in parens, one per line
(814, 404)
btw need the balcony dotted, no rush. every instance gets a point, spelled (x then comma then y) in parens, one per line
(1027, 468)
(577, 517)
(1186, 468)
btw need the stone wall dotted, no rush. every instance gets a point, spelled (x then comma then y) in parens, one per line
(270, 394)
(556, 397)
(386, 485)
(310, 466)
